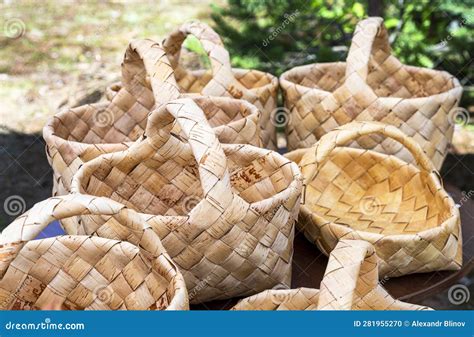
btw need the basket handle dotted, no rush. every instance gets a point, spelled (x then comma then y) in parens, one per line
(27, 226)
(351, 281)
(223, 82)
(206, 148)
(316, 156)
(146, 57)
(370, 37)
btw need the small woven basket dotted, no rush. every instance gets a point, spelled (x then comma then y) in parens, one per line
(78, 135)
(254, 86)
(402, 209)
(225, 214)
(83, 272)
(372, 86)
(350, 283)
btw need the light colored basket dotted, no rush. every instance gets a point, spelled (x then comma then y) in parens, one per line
(225, 214)
(402, 209)
(78, 135)
(350, 282)
(254, 86)
(372, 86)
(83, 272)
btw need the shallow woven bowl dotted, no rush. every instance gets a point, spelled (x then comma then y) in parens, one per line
(75, 272)
(401, 208)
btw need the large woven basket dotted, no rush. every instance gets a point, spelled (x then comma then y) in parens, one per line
(257, 87)
(350, 282)
(82, 272)
(372, 86)
(225, 214)
(78, 135)
(402, 209)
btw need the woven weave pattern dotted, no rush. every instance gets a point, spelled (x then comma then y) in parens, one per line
(372, 86)
(401, 209)
(350, 283)
(257, 87)
(78, 135)
(81, 272)
(225, 214)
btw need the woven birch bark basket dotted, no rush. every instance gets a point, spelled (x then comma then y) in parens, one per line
(350, 282)
(225, 213)
(401, 208)
(78, 135)
(372, 85)
(257, 87)
(77, 272)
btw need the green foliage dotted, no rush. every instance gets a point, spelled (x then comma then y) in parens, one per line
(278, 34)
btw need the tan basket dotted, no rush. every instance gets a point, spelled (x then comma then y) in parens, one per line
(225, 214)
(350, 283)
(82, 272)
(402, 209)
(256, 87)
(78, 135)
(372, 86)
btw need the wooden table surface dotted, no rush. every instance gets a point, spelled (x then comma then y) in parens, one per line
(309, 265)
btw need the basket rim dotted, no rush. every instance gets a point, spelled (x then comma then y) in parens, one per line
(52, 139)
(280, 197)
(286, 83)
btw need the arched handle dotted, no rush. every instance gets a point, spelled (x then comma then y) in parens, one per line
(370, 39)
(223, 82)
(146, 61)
(317, 155)
(27, 226)
(351, 281)
(206, 148)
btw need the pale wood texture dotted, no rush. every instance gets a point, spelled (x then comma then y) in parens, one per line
(351, 282)
(225, 213)
(401, 208)
(79, 272)
(372, 86)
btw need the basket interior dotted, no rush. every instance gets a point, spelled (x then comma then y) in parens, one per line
(173, 186)
(194, 81)
(83, 124)
(407, 82)
(80, 272)
(377, 193)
